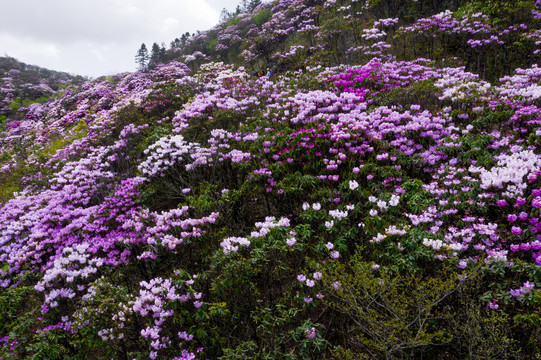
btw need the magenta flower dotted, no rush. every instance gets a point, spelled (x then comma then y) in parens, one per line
(501, 203)
(512, 217)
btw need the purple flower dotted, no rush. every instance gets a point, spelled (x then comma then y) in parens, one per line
(516, 230)
(501, 203)
(512, 217)
(523, 216)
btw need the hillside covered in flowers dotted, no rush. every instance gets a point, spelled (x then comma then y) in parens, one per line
(377, 197)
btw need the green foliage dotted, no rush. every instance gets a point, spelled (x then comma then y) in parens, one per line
(481, 333)
(423, 93)
(396, 315)
(15, 104)
(262, 17)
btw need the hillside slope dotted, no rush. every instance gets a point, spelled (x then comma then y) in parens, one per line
(384, 208)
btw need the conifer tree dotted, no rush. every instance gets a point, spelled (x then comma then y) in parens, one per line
(142, 57)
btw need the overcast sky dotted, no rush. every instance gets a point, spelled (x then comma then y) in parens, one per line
(98, 37)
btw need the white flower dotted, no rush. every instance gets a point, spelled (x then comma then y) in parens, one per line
(395, 199)
(353, 184)
(338, 214)
(382, 205)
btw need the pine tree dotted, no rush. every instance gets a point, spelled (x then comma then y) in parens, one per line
(253, 4)
(155, 54)
(142, 57)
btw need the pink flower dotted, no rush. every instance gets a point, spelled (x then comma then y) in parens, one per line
(311, 333)
(493, 305)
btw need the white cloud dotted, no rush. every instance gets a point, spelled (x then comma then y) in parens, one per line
(28, 46)
(96, 37)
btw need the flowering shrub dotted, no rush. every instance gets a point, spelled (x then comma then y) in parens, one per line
(385, 208)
